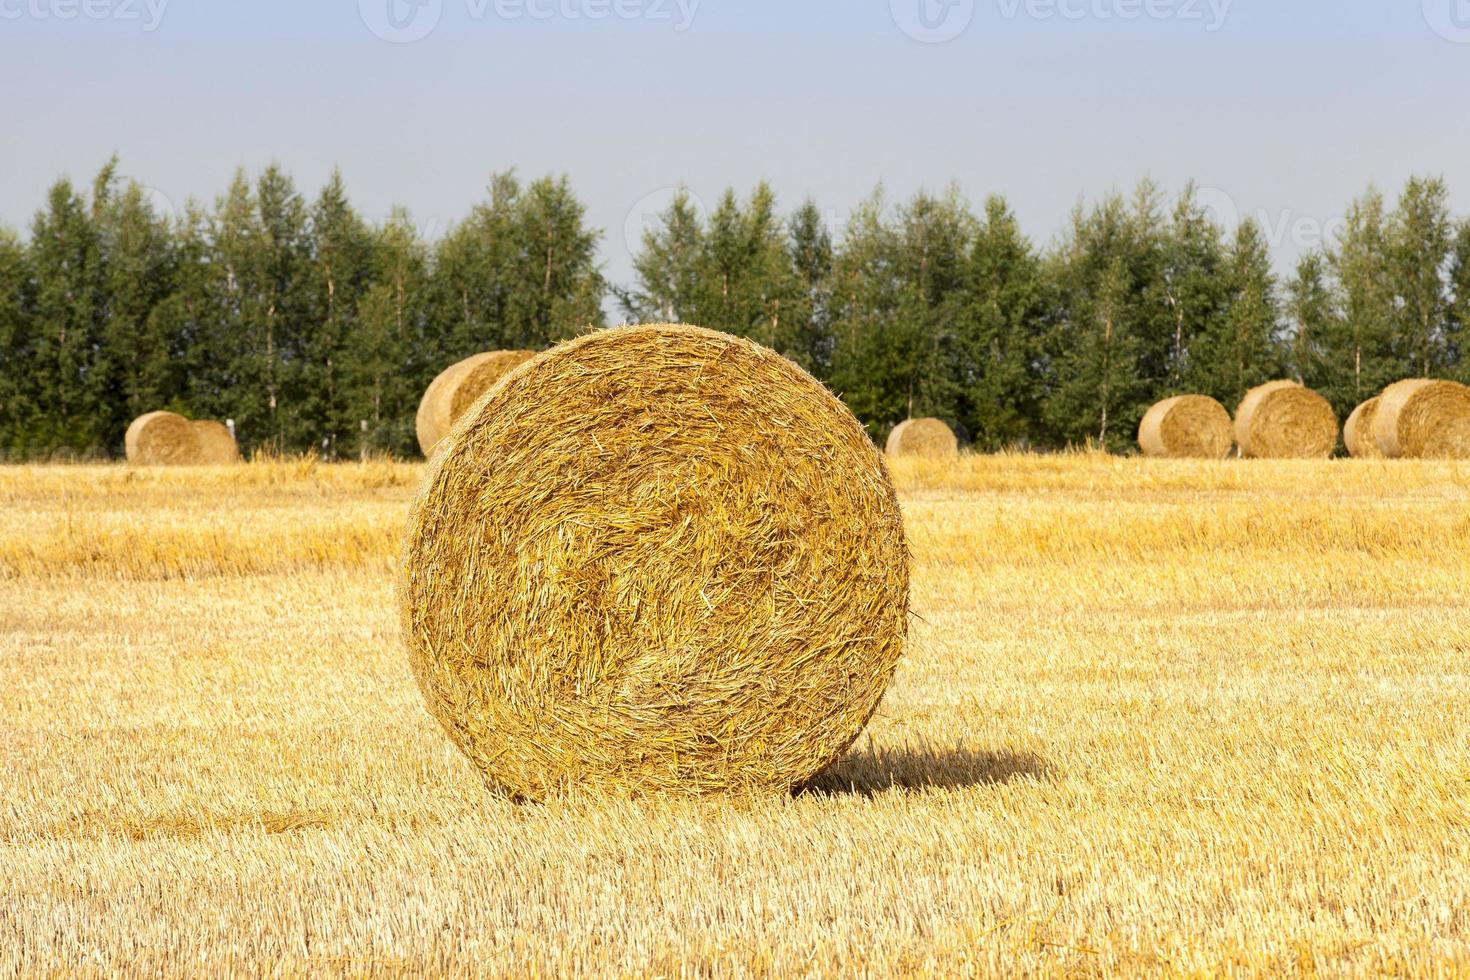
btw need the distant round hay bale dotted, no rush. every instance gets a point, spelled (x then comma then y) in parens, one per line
(457, 388)
(1357, 433)
(161, 439)
(1284, 420)
(1185, 427)
(655, 558)
(922, 437)
(1424, 419)
(216, 446)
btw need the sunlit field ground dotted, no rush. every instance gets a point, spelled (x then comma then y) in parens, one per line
(1156, 717)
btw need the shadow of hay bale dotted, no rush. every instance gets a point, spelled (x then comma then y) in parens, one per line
(868, 772)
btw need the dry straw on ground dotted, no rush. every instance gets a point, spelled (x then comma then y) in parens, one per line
(1186, 426)
(161, 439)
(655, 558)
(458, 387)
(1357, 433)
(922, 437)
(1284, 420)
(216, 445)
(1424, 419)
(1043, 790)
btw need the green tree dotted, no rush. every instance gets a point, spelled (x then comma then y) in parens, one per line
(1420, 239)
(1244, 351)
(667, 266)
(1459, 315)
(341, 271)
(519, 272)
(566, 287)
(897, 296)
(260, 264)
(1098, 388)
(1195, 294)
(806, 333)
(1101, 394)
(745, 275)
(1153, 302)
(138, 266)
(390, 361)
(744, 271)
(1008, 310)
(67, 384)
(1311, 313)
(1358, 358)
(16, 409)
(194, 317)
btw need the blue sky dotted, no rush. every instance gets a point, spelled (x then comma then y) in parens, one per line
(1281, 110)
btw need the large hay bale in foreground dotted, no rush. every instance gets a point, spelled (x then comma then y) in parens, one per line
(1423, 419)
(458, 387)
(1185, 427)
(922, 437)
(161, 439)
(1284, 420)
(216, 445)
(1357, 432)
(655, 558)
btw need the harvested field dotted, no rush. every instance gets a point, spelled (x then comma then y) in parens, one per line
(1157, 716)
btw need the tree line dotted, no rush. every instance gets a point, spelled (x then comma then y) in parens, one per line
(316, 329)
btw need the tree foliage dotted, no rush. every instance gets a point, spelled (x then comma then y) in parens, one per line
(314, 328)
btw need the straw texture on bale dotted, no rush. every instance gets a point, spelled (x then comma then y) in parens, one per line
(1186, 426)
(1423, 419)
(1284, 420)
(216, 445)
(655, 558)
(161, 439)
(1357, 432)
(458, 387)
(922, 437)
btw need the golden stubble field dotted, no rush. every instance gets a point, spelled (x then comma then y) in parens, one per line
(1156, 717)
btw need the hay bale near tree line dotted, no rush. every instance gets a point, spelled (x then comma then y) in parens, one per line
(1420, 418)
(458, 387)
(922, 437)
(655, 558)
(1284, 420)
(1185, 427)
(216, 445)
(1357, 433)
(169, 439)
(160, 439)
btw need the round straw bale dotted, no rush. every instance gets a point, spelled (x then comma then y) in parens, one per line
(922, 437)
(457, 388)
(1424, 419)
(216, 445)
(1357, 433)
(1284, 420)
(655, 558)
(161, 439)
(1186, 426)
